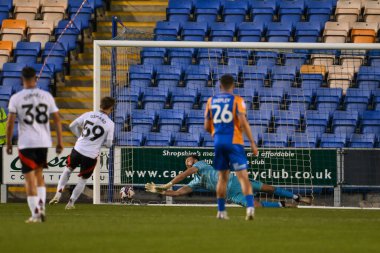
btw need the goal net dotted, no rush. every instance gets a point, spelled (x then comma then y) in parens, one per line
(305, 102)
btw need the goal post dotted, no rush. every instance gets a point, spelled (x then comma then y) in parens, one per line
(141, 143)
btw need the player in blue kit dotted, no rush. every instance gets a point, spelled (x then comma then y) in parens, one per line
(206, 177)
(226, 121)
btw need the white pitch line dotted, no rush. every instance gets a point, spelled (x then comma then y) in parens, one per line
(340, 208)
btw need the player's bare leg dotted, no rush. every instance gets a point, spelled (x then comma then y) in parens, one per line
(246, 188)
(79, 188)
(31, 192)
(221, 193)
(41, 192)
(65, 176)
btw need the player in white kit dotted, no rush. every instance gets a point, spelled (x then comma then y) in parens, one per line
(32, 108)
(93, 129)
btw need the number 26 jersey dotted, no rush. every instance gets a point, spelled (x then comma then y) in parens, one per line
(97, 129)
(223, 109)
(33, 108)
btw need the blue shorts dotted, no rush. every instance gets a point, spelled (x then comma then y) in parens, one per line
(230, 157)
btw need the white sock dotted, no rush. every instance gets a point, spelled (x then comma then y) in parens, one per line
(33, 205)
(41, 192)
(78, 189)
(63, 179)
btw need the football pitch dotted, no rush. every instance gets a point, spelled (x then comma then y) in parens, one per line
(138, 229)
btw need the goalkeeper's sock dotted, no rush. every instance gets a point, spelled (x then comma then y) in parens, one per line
(284, 193)
(249, 199)
(78, 189)
(271, 204)
(63, 179)
(221, 204)
(33, 205)
(41, 193)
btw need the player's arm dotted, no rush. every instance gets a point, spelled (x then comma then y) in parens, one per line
(109, 139)
(182, 176)
(180, 192)
(76, 126)
(245, 126)
(58, 129)
(208, 121)
(10, 127)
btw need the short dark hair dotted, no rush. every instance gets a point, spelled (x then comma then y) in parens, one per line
(227, 81)
(107, 103)
(194, 157)
(28, 73)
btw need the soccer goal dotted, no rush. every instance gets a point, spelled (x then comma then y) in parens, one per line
(307, 105)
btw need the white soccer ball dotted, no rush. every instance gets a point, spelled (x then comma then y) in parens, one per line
(127, 192)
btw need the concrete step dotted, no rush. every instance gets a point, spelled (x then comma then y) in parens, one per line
(143, 16)
(81, 92)
(106, 26)
(74, 102)
(137, 6)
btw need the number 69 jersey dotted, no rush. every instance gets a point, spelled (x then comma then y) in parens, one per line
(223, 109)
(94, 130)
(33, 108)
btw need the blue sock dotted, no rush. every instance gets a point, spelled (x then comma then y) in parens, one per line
(283, 193)
(249, 199)
(271, 204)
(221, 204)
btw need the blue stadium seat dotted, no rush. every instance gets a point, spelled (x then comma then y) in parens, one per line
(235, 11)
(141, 75)
(264, 58)
(186, 140)
(4, 13)
(219, 71)
(123, 108)
(142, 117)
(307, 31)
(158, 139)
(254, 76)
(357, 99)
(250, 31)
(328, 99)
(362, 140)
(11, 75)
(194, 31)
(171, 117)
(256, 138)
(238, 57)
(333, 140)
(345, 121)
(287, 121)
(69, 38)
(376, 99)
(269, 106)
(153, 56)
(182, 58)
(291, 11)
(259, 117)
(222, 31)
(5, 93)
(304, 140)
(208, 141)
(197, 76)
(7, 4)
(279, 31)
(183, 98)
(195, 117)
(319, 11)
(258, 131)
(206, 11)
(82, 16)
(168, 76)
(206, 94)
(270, 95)
(155, 98)
(54, 54)
(27, 52)
(210, 57)
(197, 129)
(133, 138)
(371, 122)
(271, 140)
(299, 95)
(179, 10)
(374, 57)
(316, 122)
(167, 30)
(263, 11)
(368, 77)
(295, 59)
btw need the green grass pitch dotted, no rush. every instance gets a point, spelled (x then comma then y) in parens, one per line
(138, 229)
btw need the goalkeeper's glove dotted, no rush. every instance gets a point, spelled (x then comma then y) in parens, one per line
(151, 187)
(165, 186)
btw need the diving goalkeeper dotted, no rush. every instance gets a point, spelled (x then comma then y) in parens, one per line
(205, 177)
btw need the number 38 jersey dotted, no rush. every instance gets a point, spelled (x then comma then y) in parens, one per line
(33, 108)
(223, 109)
(97, 129)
